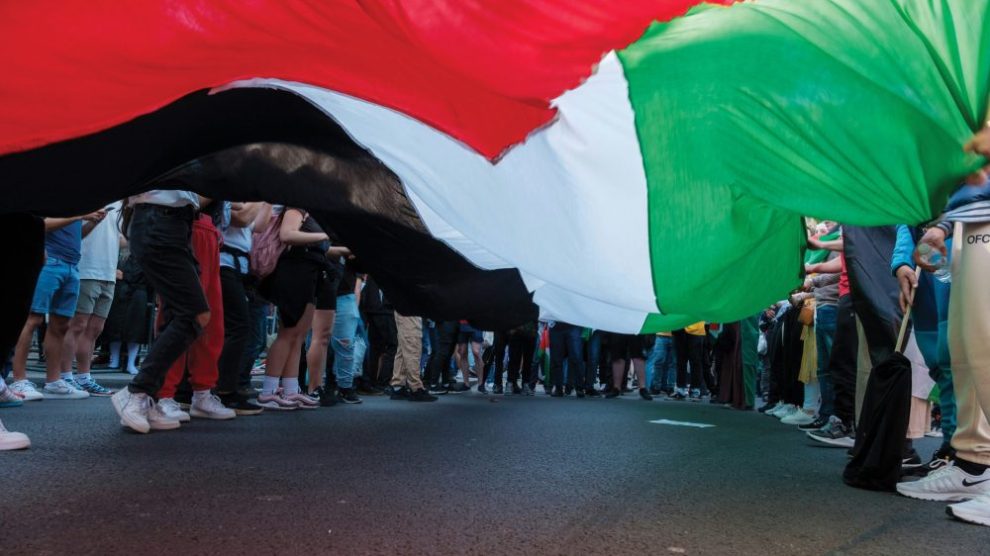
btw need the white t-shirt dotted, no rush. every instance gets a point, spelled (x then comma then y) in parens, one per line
(101, 248)
(167, 198)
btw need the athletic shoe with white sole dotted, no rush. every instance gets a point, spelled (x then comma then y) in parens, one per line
(171, 410)
(8, 398)
(975, 511)
(786, 411)
(835, 433)
(94, 388)
(158, 421)
(210, 407)
(276, 402)
(62, 390)
(133, 409)
(948, 484)
(303, 401)
(27, 391)
(800, 417)
(13, 440)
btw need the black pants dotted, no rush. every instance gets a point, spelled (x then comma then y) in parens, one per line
(690, 350)
(775, 362)
(446, 342)
(792, 349)
(521, 346)
(843, 362)
(566, 343)
(24, 257)
(383, 340)
(159, 238)
(236, 330)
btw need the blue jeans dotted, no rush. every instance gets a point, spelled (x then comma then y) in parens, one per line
(343, 339)
(662, 364)
(57, 289)
(566, 343)
(824, 335)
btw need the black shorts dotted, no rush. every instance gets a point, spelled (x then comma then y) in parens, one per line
(467, 333)
(293, 286)
(326, 290)
(623, 347)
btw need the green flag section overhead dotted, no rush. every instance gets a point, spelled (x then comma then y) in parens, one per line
(751, 115)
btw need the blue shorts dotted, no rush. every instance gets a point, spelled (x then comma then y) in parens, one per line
(57, 290)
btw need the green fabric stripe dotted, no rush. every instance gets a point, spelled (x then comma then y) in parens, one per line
(752, 115)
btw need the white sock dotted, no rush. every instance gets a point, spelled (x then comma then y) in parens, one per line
(201, 394)
(114, 354)
(269, 385)
(83, 377)
(290, 385)
(132, 351)
(67, 375)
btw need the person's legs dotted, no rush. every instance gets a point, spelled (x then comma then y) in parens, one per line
(479, 363)
(316, 356)
(405, 370)
(825, 325)
(682, 355)
(342, 340)
(651, 364)
(442, 350)
(969, 329)
(575, 360)
(696, 358)
(842, 361)
(58, 327)
(558, 351)
(236, 330)
(23, 346)
(501, 344)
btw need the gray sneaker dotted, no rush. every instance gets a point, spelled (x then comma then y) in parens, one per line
(835, 433)
(94, 388)
(62, 390)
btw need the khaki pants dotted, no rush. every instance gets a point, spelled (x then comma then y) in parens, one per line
(969, 339)
(405, 372)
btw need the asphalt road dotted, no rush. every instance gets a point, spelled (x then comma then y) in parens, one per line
(465, 475)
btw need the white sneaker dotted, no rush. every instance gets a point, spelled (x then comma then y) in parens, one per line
(210, 407)
(800, 417)
(13, 440)
(947, 484)
(975, 511)
(303, 401)
(170, 409)
(785, 411)
(133, 409)
(159, 421)
(276, 402)
(62, 390)
(772, 412)
(27, 391)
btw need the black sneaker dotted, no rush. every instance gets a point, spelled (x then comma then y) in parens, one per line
(438, 389)
(458, 387)
(911, 460)
(940, 459)
(818, 423)
(347, 395)
(370, 390)
(766, 407)
(557, 392)
(645, 394)
(592, 392)
(421, 395)
(481, 388)
(579, 392)
(401, 393)
(327, 397)
(568, 389)
(240, 405)
(834, 433)
(613, 393)
(655, 391)
(497, 389)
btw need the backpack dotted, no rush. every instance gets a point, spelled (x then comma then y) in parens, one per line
(266, 248)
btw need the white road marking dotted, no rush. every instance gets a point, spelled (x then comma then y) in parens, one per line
(682, 424)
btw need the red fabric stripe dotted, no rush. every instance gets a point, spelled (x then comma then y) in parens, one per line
(482, 71)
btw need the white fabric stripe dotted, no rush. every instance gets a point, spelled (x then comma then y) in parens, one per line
(568, 207)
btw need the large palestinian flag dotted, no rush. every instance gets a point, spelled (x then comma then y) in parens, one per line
(626, 174)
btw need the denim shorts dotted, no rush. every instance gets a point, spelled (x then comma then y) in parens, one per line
(57, 290)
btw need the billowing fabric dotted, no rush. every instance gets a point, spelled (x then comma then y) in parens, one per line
(664, 189)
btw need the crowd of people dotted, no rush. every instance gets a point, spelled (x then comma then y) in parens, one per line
(191, 286)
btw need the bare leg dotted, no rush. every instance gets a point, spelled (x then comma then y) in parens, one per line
(58, 327)
(618, 373)
(460, 356)
(73, 336)
(291, 369)
(479, 363)
(23, 345)
(639, 367)
(316, 356)
(87, 343)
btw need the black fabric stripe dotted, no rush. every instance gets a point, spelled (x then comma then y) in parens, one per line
(264, 144)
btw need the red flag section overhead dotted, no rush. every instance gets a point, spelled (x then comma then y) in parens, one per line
(482, 71)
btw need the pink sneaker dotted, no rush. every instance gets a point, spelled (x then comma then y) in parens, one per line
(304, 401)
(276, 402)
